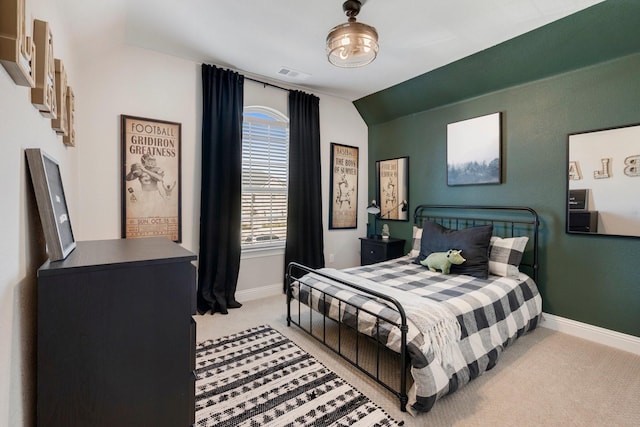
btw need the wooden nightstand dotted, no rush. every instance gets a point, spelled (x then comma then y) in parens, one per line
(376, 249)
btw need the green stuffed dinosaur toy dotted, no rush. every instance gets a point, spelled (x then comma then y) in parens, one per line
(443, 260)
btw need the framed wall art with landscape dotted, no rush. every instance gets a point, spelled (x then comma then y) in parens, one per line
(151, 175)
(343, 203)
(473, 151)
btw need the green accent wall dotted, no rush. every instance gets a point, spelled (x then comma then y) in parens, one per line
(603, 32)
(591, 279)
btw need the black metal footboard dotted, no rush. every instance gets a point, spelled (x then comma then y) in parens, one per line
(295, 272)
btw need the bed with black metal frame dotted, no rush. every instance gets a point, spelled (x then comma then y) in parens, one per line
(351, 308)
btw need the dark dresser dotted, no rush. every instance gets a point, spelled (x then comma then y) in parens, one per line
(116, 340)
(376, 249)
(584, 221)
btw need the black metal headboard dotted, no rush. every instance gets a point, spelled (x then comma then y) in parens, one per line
(507, 221)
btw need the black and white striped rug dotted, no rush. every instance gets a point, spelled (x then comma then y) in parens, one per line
(258, 377)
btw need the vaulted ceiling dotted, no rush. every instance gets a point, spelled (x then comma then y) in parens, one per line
(263, 38)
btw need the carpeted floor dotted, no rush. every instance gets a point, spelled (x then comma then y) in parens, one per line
(546, 378)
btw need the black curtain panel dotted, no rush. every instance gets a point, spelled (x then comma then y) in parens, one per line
(220, 208)
(304, 205)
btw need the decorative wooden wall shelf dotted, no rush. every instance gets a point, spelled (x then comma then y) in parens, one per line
(70, 138)
(16, 49)
(59, 124)
(30, 62)
(43, 95)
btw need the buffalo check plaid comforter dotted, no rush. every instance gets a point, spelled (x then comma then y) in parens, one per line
(492, 313)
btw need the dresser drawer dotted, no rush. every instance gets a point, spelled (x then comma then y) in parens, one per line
(584, 221)
(191, 409)
(192, 346)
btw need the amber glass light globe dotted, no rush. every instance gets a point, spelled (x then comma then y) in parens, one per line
(352, 44)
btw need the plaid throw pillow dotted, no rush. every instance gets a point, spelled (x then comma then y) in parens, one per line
(505, 255)
(415, 248)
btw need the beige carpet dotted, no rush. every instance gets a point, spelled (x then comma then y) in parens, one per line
(545, 379)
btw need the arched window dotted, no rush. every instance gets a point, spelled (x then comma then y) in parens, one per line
(265, 159)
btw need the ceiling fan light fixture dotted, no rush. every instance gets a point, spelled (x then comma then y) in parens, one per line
(353, 44)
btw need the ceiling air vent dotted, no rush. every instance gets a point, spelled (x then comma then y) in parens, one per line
(293, 74)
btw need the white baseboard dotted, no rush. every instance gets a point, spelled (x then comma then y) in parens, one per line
(258, 293)
(596, 334)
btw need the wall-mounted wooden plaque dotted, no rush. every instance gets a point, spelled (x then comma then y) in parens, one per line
(70, 138)
(16, 49)
(59, 124)
(43, 95)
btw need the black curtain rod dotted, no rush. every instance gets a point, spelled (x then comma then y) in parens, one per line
(261, 82)
(267, 84)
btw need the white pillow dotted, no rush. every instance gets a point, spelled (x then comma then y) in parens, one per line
(505, 255)
(415, 247)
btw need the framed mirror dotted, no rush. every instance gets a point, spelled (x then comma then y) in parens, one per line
(604, 182)
(392, 189)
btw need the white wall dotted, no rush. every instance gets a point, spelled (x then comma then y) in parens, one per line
(22, 248)
(340, 122)
(109, 79)
(119, 79)
(116, 80)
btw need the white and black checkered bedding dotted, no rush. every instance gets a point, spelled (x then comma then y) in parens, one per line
(492, 313)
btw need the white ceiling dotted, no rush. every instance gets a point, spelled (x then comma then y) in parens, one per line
(260, 37)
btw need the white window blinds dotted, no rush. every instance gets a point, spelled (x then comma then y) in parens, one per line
(265, 154)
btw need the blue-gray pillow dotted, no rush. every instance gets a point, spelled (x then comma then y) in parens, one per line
(473, 241)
